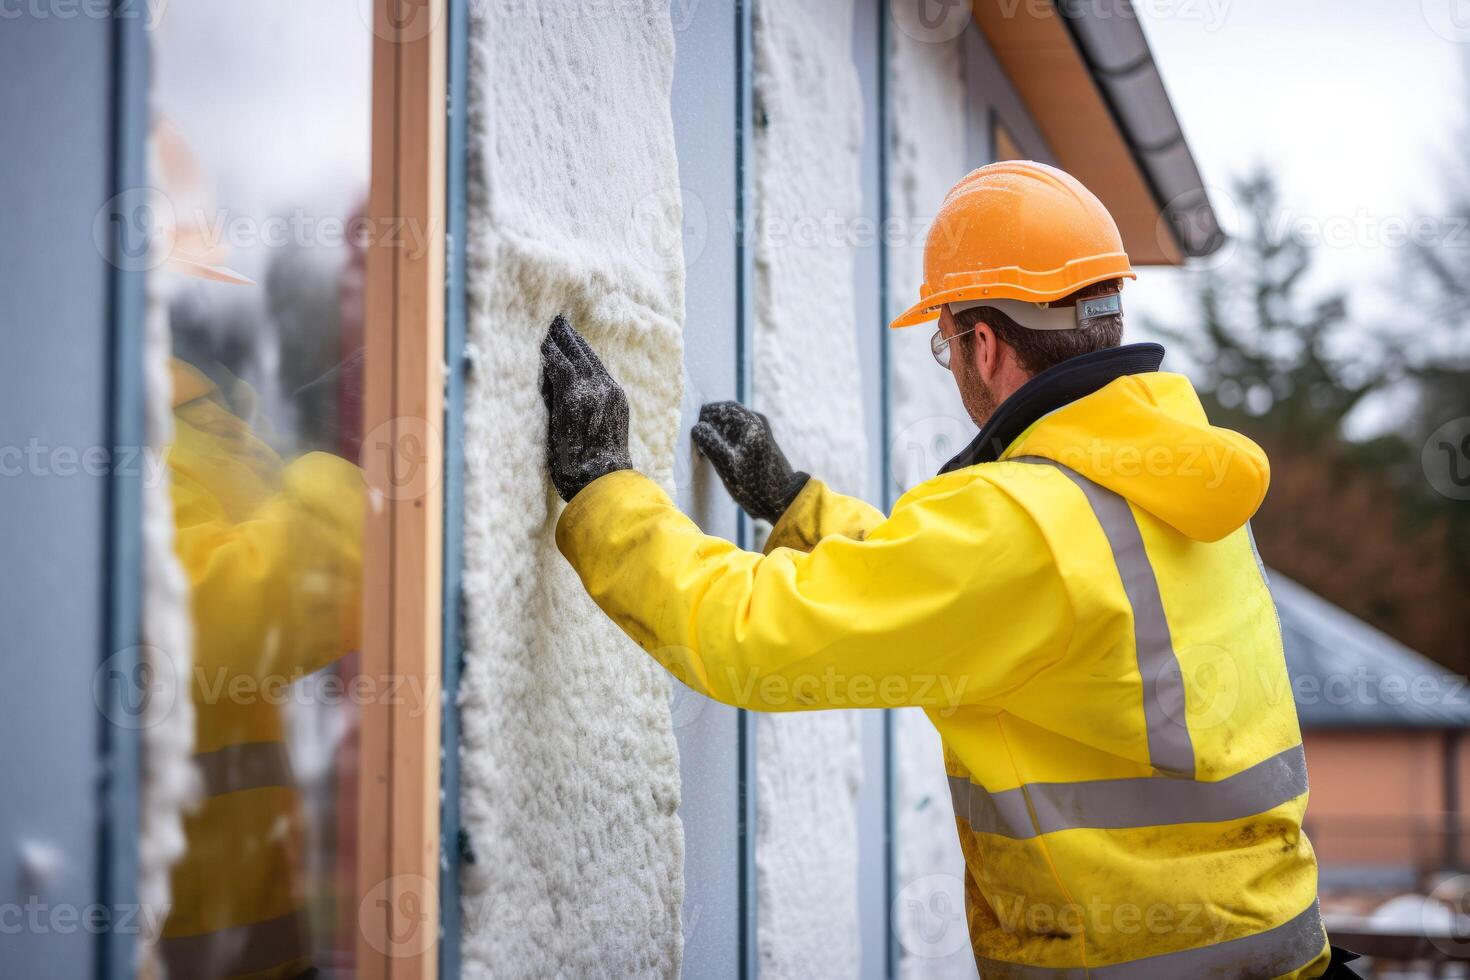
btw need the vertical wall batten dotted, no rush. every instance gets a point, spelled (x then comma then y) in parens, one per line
(399, 814)
(745, 364)
(120, 749)
(457, 145)
(874, 804)
(890, 773)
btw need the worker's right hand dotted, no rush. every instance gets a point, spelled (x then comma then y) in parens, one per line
(753, 468)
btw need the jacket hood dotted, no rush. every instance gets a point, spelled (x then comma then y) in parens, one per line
(1145, 437)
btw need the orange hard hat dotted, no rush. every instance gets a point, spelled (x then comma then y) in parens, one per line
(1017, 230)
(192, 250)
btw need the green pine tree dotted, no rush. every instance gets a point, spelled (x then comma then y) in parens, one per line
(1288, 370)
(1270, 361)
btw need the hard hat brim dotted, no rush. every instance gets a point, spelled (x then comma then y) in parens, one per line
(203, 270)
(1032, 287)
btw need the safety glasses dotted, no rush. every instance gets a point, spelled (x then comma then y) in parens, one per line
(939, 345)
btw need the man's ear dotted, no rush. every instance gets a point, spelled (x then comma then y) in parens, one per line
(986, 347)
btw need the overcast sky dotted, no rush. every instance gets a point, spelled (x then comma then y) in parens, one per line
(1353, 103)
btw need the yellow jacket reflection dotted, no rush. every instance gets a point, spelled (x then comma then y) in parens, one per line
(273, 552)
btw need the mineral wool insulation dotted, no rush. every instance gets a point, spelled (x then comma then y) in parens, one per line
(808, 112)
(570, 775)
(170, 781)
(929, 425)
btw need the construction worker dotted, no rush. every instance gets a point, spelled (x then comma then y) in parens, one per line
(1075, 601)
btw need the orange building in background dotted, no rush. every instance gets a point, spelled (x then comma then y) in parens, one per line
(1383, 727)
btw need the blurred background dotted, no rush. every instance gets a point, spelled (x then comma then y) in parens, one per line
(1334, 139)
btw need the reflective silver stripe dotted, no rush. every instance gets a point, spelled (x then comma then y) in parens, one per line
(1169, 747)
(1277, 951)
(249, 765)
(240, 949)
(1004, 813)
(1142, 801)
(1256, 553)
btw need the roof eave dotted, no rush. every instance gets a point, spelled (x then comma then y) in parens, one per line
(1092, 87)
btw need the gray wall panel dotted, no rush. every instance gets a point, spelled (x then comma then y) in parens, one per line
(56, 113)
(704, 107)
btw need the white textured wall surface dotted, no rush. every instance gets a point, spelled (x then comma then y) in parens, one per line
(926, 158)
(808, 114)
(170, 781)
(570, 770)
(929, 425)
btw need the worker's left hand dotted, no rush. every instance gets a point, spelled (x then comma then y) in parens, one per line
(587, 412)
(753, 468)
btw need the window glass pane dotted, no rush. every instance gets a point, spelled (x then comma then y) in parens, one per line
(259, 160)
(1006, 147)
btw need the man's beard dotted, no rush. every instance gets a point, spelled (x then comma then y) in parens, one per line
(979, 397)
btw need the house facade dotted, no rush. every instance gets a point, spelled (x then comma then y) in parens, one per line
(276, 276)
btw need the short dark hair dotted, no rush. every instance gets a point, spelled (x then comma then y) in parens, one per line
(1038, 350)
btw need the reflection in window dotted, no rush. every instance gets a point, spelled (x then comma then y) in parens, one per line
(1003, 143)
(260, 158)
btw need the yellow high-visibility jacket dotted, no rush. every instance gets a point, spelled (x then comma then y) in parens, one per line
(1087, 624)
(273, 554)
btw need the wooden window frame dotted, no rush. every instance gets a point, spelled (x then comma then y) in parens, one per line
(403, 458)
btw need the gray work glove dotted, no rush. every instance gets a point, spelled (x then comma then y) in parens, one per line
(587, 413)
(753, 468)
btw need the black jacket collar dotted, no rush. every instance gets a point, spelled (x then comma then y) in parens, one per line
(1061, 385)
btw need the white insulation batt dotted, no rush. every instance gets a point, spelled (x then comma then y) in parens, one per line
(170, 782)
(929, 425)
(808, 123)
(570, 771)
